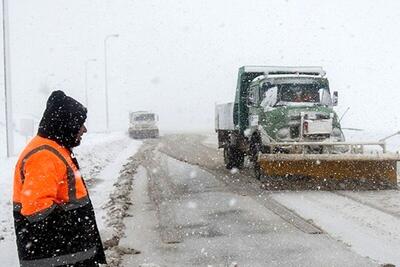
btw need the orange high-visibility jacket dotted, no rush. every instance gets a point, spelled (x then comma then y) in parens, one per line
(46, 176)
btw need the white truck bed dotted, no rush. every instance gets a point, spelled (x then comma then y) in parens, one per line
(224, 117)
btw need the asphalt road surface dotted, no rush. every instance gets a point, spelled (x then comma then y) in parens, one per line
(188, 210)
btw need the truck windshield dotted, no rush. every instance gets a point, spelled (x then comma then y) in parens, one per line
(303, 93)
(298, 93)
(144, 117)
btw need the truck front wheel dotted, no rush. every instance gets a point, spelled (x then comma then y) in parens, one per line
(255, 149)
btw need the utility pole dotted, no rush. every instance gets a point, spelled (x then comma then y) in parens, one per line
(7, 81)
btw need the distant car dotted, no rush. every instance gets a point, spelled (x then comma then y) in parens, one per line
(143, 124)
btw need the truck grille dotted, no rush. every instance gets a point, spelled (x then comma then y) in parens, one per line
(322, 116)
(318, 137)
(294, 132)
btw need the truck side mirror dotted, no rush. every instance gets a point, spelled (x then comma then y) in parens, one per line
(251, 100)
(335, 98)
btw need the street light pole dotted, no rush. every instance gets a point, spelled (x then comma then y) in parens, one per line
(106, 78)
(7, 81)
(86, 80)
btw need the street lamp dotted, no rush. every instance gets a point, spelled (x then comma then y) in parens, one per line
(7, 81)
(105, 76)
(86, 79)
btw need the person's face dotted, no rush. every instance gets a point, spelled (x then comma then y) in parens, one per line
(82, 130)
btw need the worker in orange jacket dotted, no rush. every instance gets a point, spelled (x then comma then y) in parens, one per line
(54, 219)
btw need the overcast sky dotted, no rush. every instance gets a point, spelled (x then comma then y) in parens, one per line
(178, 58)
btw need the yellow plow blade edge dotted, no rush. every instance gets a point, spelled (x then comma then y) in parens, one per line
(369, 171)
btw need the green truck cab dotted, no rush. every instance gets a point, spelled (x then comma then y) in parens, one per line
(277, 105)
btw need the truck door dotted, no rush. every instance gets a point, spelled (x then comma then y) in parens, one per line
(253, 106)
(241, 110)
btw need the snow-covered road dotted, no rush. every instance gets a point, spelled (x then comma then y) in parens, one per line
(368, 222)
(358, 228)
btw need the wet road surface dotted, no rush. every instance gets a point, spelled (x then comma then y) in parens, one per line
(189, 211)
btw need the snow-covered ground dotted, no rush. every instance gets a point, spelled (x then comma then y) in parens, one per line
(211, 140)
(357, 219)
(8, 249)
(101, 157)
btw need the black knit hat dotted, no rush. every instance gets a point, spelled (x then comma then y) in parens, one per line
(62, 119)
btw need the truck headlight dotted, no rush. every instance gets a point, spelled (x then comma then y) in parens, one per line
(336, 132)
(283, 133)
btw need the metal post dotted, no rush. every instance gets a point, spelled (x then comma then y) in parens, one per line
(106, 78)
(7, 81)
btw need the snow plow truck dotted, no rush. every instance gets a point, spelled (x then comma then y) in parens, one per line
(283, 120)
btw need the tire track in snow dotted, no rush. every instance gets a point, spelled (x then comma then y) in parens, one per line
(359, 199)
(369, 231)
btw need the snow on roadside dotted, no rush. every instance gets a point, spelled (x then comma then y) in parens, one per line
(101, 157)
(99, 150)
(211, 140)
(117, 209)
(8, 248)
(368, 231)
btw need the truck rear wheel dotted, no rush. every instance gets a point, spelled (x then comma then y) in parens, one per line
(228, 158)
(239, 159)
(233, 158)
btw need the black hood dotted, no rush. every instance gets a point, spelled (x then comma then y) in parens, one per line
(62, 119)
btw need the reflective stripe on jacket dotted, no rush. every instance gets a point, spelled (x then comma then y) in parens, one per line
(54, 219)
(45, 176)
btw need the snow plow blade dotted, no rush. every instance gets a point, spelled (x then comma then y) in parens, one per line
(329, 171)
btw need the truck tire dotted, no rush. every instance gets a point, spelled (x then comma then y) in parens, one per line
(255, 148)
(257, 170)
(233, 158)
(228, 158)
(238, 159)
